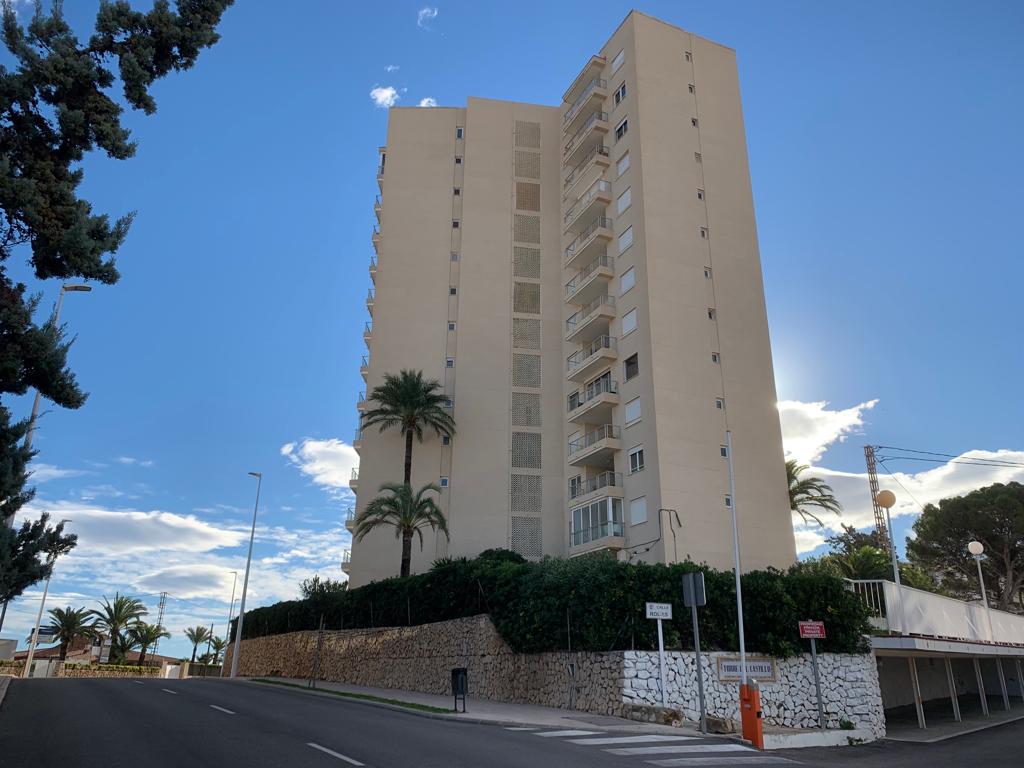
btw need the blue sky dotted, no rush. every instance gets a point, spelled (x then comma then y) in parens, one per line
(885, 155)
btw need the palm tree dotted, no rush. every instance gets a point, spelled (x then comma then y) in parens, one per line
(68, 625)
(218, 644)
(142, 635)
(407, 513)
(115, 616)
(196, 636)
(805, 492)
(409, 402)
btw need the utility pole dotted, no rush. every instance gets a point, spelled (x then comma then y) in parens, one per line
(160, 619)
(881, 529)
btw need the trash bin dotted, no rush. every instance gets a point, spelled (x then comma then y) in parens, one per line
(460, 686)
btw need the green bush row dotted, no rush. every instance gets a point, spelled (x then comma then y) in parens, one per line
(588, 604)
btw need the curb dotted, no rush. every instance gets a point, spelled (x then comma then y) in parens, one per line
(5, 682)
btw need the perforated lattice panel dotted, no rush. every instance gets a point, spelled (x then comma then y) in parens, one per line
(525, 262)
(527, 196)
(526, 298)
(526, 494)
(527, 164)
(526, 450)
(527, 537)
(525, 409)
(527, 134)
(526, 229)
(525, 333)
(526, 371)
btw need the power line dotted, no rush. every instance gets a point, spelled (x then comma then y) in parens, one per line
(901, 485)
(947, 456)
(978, 463)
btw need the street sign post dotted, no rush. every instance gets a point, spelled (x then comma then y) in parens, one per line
(814, 631)
(659, 612)
(694, 597)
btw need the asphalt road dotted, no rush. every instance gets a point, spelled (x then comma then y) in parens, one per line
(162, 723)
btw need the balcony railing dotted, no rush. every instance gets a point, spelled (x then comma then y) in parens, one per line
(580, 356)
(581, 277)
(595, 116)
(376, 231)
(361, 396)
(586, 234)
(600, 387)
(373, 262)
(596, 483)
(588, 89)
(355, 475)
(346, 557)
(595, 533)
(579, 318)
(583, 164)
(600, 186)
(603, 432)
(370, 295)
(380, 170)
(364, 361)
(358, 436)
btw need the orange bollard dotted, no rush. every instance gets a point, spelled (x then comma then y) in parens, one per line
(751, 715)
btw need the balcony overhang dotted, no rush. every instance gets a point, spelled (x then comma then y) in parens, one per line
(346, 567)
(597, 410)
(369, 304)
(589, 249)
(592, 286)
(590, 367)
(582, 176)
(594, 206)
(362, 405)
(606, 543)
(373, 272)
(590, 70)
(595, 324)
(364, 371)
(601, 453)
(594, 98)
(350, 522)
(586, 141)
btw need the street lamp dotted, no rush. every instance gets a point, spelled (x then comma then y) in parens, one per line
(976, 548)
(51, 558)
(245, 581)
(887, 500)
(231, 611)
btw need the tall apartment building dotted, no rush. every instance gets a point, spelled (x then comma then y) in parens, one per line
(585, 282)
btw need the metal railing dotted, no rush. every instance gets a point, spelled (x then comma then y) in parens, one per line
(376, 231)
(376, 201)
(584, 129)
(596, 188)
(583, 164)
(600, 387)
(604, 260)
(596, 483)
(380, 169)
(346, 557)
(361, 396)
(580, 356)
(358, 436)
(585, 313)
(373, 262)
(364, 361)
(370, 294)
(355, 476)
(604, 432)
(586, 234)
(588, 89)
(367, 328)
(595, 533)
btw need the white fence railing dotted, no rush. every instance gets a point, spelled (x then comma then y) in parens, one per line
(908, 611)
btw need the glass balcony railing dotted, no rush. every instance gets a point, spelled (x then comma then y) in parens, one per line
(581, 167)
(588, 89)
(596, 532)
(603, 432)
(376, 231)
(602, 386)
(355, 475)
(595, 116)
(361, 396)
(380, 170)
(596, 483)
(358, 436)
(346, 557)
(581, 356)
(586, 234)
(577, 319)
(581, 277)
(597, 188)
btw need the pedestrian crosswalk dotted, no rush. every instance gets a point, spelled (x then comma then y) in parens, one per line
(663, 750)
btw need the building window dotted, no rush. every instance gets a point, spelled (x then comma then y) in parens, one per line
(719, 403)
(700, 194)
(704, 233)
(456, 191)
(697, 157)
(458, 160)
(636, 459)
(449, 403)
(618, 61)
(451, 326)
(693, 88)
(455, 256)
(707, 273)
(632, 367)
(711, 313)
(625, 239)
(459, 132)
(724, 451)
(629, 322)
(620, 94)
(715, 358)
(621, 128)
(627, 281)
(444, 481)
(728, 501)
(623, 165)
(455, 223)
(449, 362)
(638, 511)
(693, 121)
(689, 56)
(446, 439)
(625, 199)
(633, 411)
(452, 291)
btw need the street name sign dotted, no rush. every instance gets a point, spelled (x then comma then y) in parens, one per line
(659, 611)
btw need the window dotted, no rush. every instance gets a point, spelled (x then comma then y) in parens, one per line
(595, 521)
(693, 88)
(458, 160)
(689, 56)
(704, 233)
(728, 500)
(459, 132)
(633, 410)
(575, 486)
(724, 451)
(449, 362)
(621, 128)
(625, 239)
(638, 511)
(700, 194)
(711, 313)
(715, 358)
(627, 280)
(455, 256)
(693, 121)
(455, 223)
(456, 191)
(636, 459)
(707, 273)
(623, 165)
(719, 403)
(452, 291)
(632, 367)
(697, 157)
(625, 199)
(618, 61)
(451, 326)
(449, 403)
(629, 322)
(620, 94)
(444, 481)
(446, 440)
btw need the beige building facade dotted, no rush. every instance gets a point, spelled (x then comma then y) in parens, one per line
(585, 282)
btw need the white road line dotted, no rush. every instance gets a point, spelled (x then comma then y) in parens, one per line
(221, 709)
(168, 690)
(137, 682)
(629, 740)
(332, 753)
(569, 733)
(521, 729)
(755, 760)
(680, 749)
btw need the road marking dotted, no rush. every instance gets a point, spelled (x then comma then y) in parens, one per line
(225, 711)
(532, 728)
(629, 740)
(168, 690)
(679, 749)
(137, 682)
(755, 760)
(332, 753)
(569, 733)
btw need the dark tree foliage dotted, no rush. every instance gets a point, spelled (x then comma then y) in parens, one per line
(57, 103)
(851, 540)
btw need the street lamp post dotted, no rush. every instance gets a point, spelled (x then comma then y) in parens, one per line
(231, 611)
(886, 500)
(52, 557)
(976, 548)
(245, 581)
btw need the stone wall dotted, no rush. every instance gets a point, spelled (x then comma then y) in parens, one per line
(81, 670)
(849, 686)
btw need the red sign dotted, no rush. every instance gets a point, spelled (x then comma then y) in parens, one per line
(812, 630)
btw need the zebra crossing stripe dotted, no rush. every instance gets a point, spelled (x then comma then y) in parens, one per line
(569, 733)
(755, 760)
(530, 728)
(629, 740)
(679, 749)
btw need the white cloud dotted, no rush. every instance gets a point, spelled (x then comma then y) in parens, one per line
(42, 473)
(425, 15)
(131, 461)
(429, 101)
(189, 581)
(328, 462)
(384, 97)
(392, 68)
(808, 429)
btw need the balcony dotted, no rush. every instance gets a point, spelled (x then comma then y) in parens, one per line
(587, 361)
(373, 269)
(367, 331)
(375, 239)
(370, 297)
(590, 243)
(593, 93)
(346, 561)
(596, 158)
(353, 481)
(350, 520)
(591, 281)
(610, 535)
(590, 132)
(592, 203)
(597, 448)
(377, 207)
(364, 367)
(357, 440)
(608, 483)
(591, 321)
(591, 69)
(380, 177)
(593, 404)
(361, 402)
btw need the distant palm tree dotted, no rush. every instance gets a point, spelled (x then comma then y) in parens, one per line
(806, 492)
(218, 644)
(115, 616)
(411, 403)
(865, 563)
(68, 625)
(197, 636)
(142, 635)
(407, 513)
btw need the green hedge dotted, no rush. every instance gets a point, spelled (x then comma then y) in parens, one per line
(591, 603)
